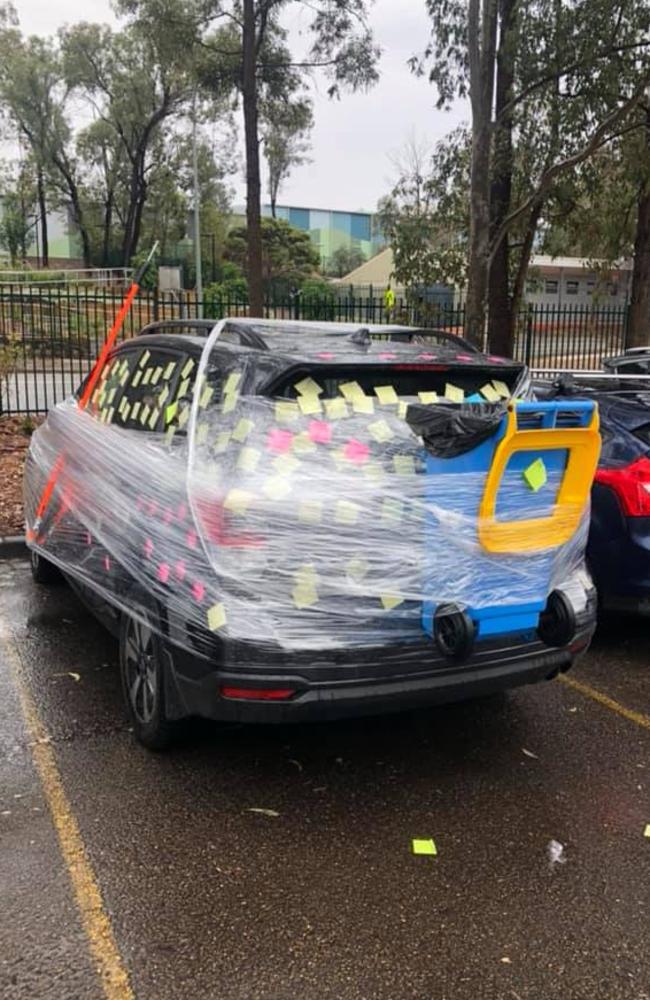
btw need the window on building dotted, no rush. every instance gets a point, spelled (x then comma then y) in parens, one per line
(590, 287)
(572, 287)
(551, 286)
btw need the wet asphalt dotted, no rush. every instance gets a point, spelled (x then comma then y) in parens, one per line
(325, 901)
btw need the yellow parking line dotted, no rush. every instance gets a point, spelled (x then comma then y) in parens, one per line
(606, 701)
(96, 924)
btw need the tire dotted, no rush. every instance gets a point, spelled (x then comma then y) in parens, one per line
(142, 669)
(43, 571)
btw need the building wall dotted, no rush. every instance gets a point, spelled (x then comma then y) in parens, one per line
(330, 229)
(564, 286)
(63, 243)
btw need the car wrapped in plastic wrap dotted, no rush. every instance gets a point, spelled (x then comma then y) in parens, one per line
(296, 509)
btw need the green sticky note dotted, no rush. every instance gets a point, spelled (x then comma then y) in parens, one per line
(424, 847)
(170, 412)
(535, 475)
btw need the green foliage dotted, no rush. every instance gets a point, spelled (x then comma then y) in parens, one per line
(343, 260)
(288, 255)
(150, 280)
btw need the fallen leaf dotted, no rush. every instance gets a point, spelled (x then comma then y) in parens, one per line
(263, 812)
(75, 677)
(506, 960)
(529, 753)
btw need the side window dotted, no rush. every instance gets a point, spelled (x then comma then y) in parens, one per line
(153, 390)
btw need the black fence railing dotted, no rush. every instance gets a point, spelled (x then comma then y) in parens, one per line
(49, 337)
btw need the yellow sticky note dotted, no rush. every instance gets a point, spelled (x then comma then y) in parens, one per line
(304, 595)
(136, 378)
(248, 459)
(169, 434)
(391, 510)
(428, 397)
(144, 358)
(135, 410)
(646, 832)
(347, 512)
(363, 404)
(390, 601)
(401, 409)
(454, 393)
(351, 390)
(276, 488)
(153, 419)
(187, 368)
(309, 404)
(144, 414)
(202, 433)
(311, 511)
(302, 444)
(238, 501)
(306, 574)
(206, 396)
(336, 408)
(146, 378)
(380, 431)
(123, 403)
(216, 617)
(424, 847)
(373, 472)
(124, 375)
(501, 388)
(183, 416)
(111, 395)
(404, 465)
(357, 569)
(307, 387)
(242, 429)
(386, 395)
(284, 465)
(286, 412)
(169, 370)
(125, 412)
(490, 393)
(232, 382)
(229, 402)
(222, 442)
(156, 374)
(182, 389)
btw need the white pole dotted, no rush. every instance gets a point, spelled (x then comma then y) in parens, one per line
(197, 219)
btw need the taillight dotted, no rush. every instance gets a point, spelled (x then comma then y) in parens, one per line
(217, 525)
(256, 694)
(631, 483)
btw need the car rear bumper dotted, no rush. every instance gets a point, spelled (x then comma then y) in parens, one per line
(370, 681)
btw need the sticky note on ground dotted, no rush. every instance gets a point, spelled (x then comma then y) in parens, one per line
(424, 847)
(646, 832)
(535, 475)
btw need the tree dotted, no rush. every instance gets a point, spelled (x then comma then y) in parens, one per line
(343, 260)
(246, 42)
(16, 207)
(550, 83)
(286, 125)
(288, 255)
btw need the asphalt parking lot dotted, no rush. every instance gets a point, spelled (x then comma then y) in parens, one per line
(125, 874)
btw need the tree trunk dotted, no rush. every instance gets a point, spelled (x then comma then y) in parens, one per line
(108, 224)
(42, 208)
(481, 44)
(500, 319)
(639, 316)
(252, 145)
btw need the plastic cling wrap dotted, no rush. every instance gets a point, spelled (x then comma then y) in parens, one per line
(309, 518)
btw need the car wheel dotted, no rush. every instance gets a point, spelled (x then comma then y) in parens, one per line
(43, 571)
(142, 667)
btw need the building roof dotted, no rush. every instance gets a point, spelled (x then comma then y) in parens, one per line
(376, 271)
(577, 263)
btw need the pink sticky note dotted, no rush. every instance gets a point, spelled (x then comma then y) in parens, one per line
(198, 590)
(356, 451)
(139, 504)
(179, 570)
(499, 361)
(168, 516)
(426, 357)
(152, 506)
(279, 440)
(89, 538)
(163, 572)
(387, 356)
(107, 564)
(190, 538)
(320, 432)
(181, 511)
(148, 548)
(325, 355)
(464, 357)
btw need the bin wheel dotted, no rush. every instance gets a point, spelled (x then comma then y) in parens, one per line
(453, 632)
(557, 622)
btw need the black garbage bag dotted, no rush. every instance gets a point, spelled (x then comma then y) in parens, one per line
(448, 431)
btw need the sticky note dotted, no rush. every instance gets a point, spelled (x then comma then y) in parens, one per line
(183, 416)
(428, 397)
(401, 409)
(501, 388)
(320, 431)
(146, 378)
(216, 617)
(124, 376)
(238, 501)
(136, 379)
(306, 574)
(153, 419)
(123, 404)
(304, 595)
(336, 408)
(144, 414)
(284, 465)
(162, 396)
(302, 444)
(351, 390)
(222, 442)
(279, 440)
(356, 452)
(202, 433)
(286, 412)
(390, 601)
(357, 569)
(276, 488)
(169, 370)
(347, 512)
(535, 475)
(156, 375)
(144, 358)
(380, 431)
(170, 412)
(307, 387)
(386, 395)
(248, 459)
(391, 510)
(373, 472)
(454, 393)
(490, 393)
(111, 395)
(135, 410)
(309, 404)
(310, 511)
(242, 429)
(169, 434)
(187, 368)
(646, 832)
(232, 382)
(404, 465)
(206, 396)
(182, 389)
(424, 847)
(363, 404)
(229, 402)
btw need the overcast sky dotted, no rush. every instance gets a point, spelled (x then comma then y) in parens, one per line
(353, 138)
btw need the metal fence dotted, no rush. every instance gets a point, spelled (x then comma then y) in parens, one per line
(50, 336)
